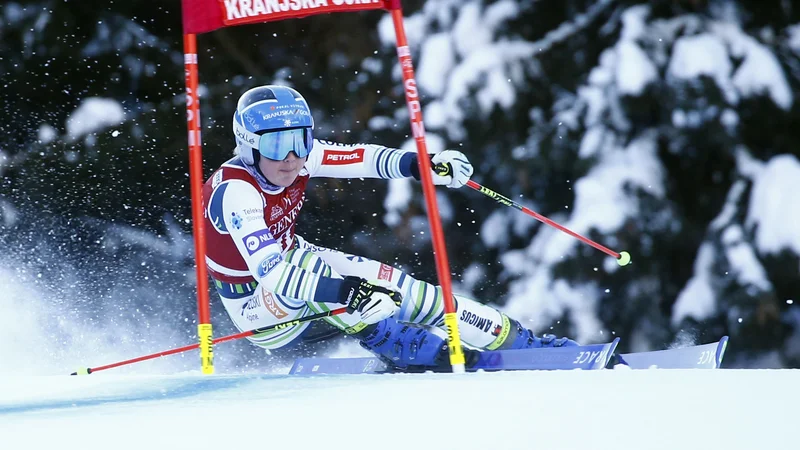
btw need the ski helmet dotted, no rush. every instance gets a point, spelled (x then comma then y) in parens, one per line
(272, 121)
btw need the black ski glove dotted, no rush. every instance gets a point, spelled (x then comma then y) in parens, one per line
(373, 302)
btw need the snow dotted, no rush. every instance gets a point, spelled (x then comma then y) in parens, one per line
(729, 210)
(759, 71)
(94, 114)
(44, 335)
(592, 141)
(703, 54)
(47, 133)
(697, 299)
(635, 70)
(396, 201)
(775, 206)
(489, 236)
(497, 91)
(602, 74)
(794, 37)
(436, 60)
(634, 24)
(8, 213)
(729, 118)
(468, 32)
(711, 54)
(743, 260)
(435, 115)
(474, 68)
(657, 409)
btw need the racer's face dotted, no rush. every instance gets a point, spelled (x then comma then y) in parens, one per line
(284, 172)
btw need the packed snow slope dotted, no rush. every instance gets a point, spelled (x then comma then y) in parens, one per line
(612, 409)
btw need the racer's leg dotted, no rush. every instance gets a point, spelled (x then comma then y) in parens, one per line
(481, 326)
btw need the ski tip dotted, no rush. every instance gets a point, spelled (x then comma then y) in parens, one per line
(721, 347)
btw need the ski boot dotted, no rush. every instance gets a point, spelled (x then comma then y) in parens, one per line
(407, 347)
(521, 337)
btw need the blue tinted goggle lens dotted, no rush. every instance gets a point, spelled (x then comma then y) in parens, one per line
(277, 144)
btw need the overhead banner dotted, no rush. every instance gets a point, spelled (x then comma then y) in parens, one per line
(202, 16)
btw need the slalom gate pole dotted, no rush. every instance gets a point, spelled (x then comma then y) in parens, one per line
(204, 329)
(243, 334)
(623, 258)
(437, 235)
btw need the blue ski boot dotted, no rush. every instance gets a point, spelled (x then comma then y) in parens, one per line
(409, 347)
(521, 337)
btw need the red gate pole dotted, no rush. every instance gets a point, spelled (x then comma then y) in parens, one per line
(418, 130)
(204, 330)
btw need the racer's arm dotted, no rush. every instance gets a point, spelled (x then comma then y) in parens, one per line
(332, 160)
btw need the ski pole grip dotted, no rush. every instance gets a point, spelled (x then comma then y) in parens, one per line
(442, 169)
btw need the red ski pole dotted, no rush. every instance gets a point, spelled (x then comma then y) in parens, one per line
(623, 258)
(277, 326)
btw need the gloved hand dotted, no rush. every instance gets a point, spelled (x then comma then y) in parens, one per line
(373, 302)
(451, 168)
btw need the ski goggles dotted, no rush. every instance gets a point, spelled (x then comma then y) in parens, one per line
(277, 145)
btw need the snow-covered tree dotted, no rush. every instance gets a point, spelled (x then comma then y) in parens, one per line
(661, 128)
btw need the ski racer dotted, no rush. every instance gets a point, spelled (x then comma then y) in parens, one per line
(265, 274)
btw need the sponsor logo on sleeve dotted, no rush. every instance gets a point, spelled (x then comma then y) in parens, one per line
(268, 263)
(342, 157)
(385, 273)
(257, 240)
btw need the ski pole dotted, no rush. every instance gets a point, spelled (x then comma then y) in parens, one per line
(277, 326)
(623, 258)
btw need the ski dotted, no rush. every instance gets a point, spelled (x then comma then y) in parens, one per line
(707, 356)
(585, 357)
